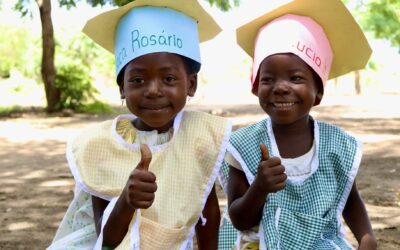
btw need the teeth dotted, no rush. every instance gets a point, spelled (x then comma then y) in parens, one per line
(283, 104)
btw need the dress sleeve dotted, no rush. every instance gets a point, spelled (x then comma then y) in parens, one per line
(232, 161)
(77, 229)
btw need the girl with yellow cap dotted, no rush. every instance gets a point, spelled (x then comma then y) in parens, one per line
(290, 178)
(146, 180)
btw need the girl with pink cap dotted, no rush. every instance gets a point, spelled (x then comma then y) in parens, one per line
(290, 178)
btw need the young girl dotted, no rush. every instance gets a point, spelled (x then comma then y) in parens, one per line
(291, 178)
(130, 195)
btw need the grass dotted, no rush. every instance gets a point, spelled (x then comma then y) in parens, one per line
(7, 111)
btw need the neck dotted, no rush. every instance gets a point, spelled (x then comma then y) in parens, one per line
(293, 129)
(140, 125)
(294, 139)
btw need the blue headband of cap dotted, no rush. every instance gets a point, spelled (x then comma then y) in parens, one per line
(150, 29)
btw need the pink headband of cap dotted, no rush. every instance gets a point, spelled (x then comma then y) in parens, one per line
(295, 34)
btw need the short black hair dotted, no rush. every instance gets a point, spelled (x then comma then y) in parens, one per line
(318, 81)
(192, 67)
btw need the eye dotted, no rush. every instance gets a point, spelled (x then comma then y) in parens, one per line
(136, 80)
(266, 80)
(296, 78)
(170, 79)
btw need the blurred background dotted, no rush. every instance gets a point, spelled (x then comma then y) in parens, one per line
(79, 75)
(54, 81)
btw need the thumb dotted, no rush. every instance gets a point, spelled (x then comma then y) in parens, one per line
(264, 152)
(145, 159)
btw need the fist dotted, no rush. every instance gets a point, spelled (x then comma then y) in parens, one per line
(141, 186)
(271, 175)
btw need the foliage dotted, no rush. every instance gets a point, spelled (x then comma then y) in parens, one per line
(6, 111)
(97, 107)
(382, 18)
(75, 86)
(77, 91)
(83, 51)
(23, 5)
(16, 53)
(224, 5)
(112, 2)
(74, 60)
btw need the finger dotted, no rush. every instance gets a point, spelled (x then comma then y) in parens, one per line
(264, 152)
(142, 197)
(279, 178)
(143, 204)
(272, 162)
(280, 186)
(277, 170)
(145, 159)
(143, 176)
(148, 187)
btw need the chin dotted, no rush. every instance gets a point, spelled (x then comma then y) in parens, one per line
(159, 125)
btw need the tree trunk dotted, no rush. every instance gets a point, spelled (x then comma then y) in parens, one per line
(357, 82)
(48, 70)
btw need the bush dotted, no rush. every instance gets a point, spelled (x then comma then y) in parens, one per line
(75, 58)
(75, 87)
(97, 107)
(6, 111)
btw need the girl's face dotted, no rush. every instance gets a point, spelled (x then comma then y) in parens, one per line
(287, 89)
(156, 87)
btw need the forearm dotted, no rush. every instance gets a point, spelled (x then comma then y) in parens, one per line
(245, 212)
(117, 224)
(207, 235)
(357, 219)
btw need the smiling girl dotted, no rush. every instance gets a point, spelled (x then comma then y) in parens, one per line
(290, 178)
(146, 180)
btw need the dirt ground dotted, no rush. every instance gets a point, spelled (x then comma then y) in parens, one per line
(36, 185)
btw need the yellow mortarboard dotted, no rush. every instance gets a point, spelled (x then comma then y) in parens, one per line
(103, 28)
(351, 50)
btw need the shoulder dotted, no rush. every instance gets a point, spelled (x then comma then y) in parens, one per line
(199, 115)
(333, 134)
(94, 131)
(332, 130)
(201, 121)
(250, 132)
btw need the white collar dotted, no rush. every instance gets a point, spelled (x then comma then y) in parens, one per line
(135, 147)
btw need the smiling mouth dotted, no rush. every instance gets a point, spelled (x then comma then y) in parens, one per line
(283, 105)
(156, 108)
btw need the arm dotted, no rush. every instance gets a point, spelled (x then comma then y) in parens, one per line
(356, 217)
(207, 235)
(247, 202)
(99, 205)
(117, 224)
(139, 192)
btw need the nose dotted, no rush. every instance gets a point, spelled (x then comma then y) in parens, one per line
(153, 89)
(281, 87)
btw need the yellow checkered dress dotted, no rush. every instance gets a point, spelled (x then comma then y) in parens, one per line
(186, 168)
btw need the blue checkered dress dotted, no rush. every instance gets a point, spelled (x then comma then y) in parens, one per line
(304, 215)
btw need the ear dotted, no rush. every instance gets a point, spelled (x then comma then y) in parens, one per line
(121, 90)
(192, 85)
(254, 88)
(318, 98)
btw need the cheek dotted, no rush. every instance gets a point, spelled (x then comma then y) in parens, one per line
(263, 97)
(132, 98)
(263, 92)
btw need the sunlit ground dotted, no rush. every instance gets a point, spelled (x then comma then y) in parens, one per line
(37, 185)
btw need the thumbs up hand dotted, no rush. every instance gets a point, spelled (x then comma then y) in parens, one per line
(140, 189)
(145, 159)
(271, 175)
